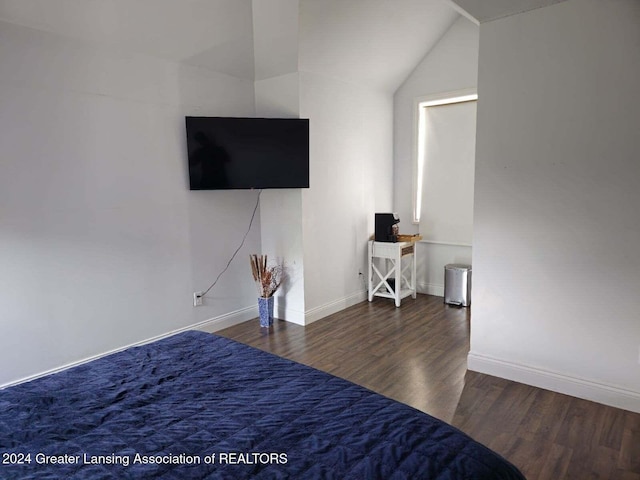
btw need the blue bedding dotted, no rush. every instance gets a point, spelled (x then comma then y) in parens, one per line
(199, 406)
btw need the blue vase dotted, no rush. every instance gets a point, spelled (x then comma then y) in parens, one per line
(265, 309)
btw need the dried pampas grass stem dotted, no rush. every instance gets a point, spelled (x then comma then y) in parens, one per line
(267, 278)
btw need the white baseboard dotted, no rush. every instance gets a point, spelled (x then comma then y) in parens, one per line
(576, 387)
(430, 289)
(290, 315)
(223, 321)
(286, 314)
(210, 326)
(315, 314)
(280, 313)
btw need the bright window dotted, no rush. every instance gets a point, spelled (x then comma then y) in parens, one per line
(445, 165)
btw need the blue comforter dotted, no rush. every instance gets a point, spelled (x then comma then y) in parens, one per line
(200, 406)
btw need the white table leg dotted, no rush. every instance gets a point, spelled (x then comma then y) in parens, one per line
(370, 272)
(413, 271)
(397, 288)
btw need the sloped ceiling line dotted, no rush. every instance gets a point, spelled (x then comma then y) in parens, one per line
(487, 10)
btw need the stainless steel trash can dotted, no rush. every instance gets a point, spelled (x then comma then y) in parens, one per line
(457, 284)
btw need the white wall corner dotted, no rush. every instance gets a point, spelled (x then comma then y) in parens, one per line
(289, 314)
(278, 96)
(462, 11)
(317, 313)
(430, 289)
(275, 37)
(557, 382)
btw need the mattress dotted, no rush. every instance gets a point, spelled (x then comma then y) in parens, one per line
(200, 406)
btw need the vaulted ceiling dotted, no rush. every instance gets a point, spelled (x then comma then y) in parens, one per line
(376, 42)
(487, 10)
(214, 34)
(373, 42)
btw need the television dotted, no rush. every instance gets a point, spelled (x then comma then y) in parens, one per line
(228, 153)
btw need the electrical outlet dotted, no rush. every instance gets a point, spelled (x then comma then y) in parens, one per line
(197, 299)
(362, 279)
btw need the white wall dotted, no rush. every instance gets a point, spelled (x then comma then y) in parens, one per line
(321, 232)
(277, 94)
(101, 242)
(452, 65)
(351, 179)
(281, 209)
(350, 153)
(556, 269)
(275, 37)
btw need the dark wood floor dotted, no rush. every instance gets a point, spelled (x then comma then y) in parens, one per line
(416, 354)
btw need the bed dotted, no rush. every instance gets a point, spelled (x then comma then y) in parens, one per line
(199, 406)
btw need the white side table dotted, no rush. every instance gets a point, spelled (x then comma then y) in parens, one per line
(394, 267)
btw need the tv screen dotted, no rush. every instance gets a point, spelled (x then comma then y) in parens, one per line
(242, 153)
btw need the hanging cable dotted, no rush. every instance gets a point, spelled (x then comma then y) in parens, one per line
(239, 247)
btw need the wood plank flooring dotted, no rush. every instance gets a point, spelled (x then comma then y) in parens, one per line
(416, 354)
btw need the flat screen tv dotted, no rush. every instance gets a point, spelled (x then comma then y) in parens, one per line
(228, 153)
